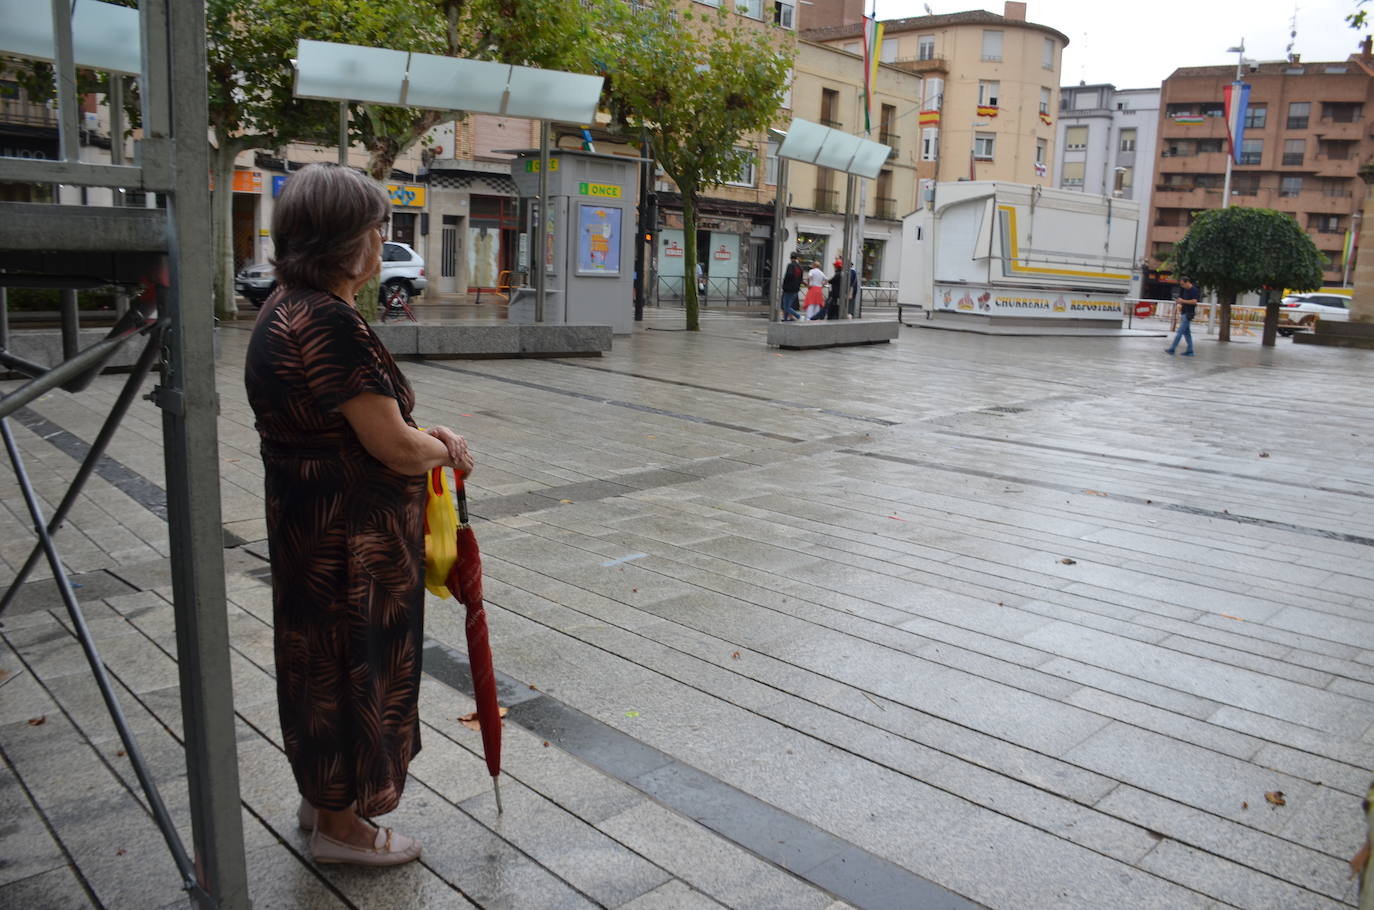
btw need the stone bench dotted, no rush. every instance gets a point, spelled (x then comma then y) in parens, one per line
(831, 333)
(459, 341)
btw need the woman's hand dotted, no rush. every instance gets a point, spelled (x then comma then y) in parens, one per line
(459, 457)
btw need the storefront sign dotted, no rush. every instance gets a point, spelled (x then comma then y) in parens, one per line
(248, 181)
(532, 166)
(722, 254)
(598, 240)
(603, 190)
(673, 249)
(1034, 303)
(278, 184)
(406, 194)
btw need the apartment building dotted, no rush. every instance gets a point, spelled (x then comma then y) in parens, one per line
(1105, 143)
(989, 93)
(1306, 132)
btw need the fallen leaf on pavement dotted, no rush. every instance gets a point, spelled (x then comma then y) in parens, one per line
(120, 753)
(566, 501)
(1245, 805)
(1264, 454)
(1229, 616)
(1094, 493)
(38, 721)
(1069, 562)
(735, 656)
(631, 713)
(472, 723)
(1275, 797)
(4, 674)
(121, 851)
(546, 744)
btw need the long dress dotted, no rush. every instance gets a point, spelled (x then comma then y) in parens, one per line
(346, 539)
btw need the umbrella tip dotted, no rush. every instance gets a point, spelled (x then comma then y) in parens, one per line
(496, 783)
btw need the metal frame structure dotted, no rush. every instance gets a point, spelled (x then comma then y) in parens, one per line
(75, 246)
(812, 143)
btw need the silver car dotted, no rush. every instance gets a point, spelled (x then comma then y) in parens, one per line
(403, 275)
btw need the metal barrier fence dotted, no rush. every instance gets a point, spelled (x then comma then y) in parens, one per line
(1245, 320)
(671, 291)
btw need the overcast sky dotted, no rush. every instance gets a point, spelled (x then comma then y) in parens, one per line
(1137, 45)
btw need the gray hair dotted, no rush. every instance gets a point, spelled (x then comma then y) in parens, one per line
(320, 225)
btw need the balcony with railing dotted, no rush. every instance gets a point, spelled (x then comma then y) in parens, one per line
(885, 207)
(26, 113)
(922, 64)
(827, 200)
(890, 139)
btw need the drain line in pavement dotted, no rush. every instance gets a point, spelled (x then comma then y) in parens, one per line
(804, 850)
(1121, 497)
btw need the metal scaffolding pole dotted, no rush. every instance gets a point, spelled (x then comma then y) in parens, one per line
(190, 409)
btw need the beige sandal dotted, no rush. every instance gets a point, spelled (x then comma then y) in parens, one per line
(388, 849)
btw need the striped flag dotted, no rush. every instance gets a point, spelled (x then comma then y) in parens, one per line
(587, 145)
(1040, 169)
(929, 118)
(1348, 248)
(1237, 97)
(1045, 118)
(987, 110)
(873, 45)
(1188, 119)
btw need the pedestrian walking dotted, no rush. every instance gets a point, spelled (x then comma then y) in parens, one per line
(832, 305)
(792, 278)
(1188, 298)
(815, 297)
(345, 469)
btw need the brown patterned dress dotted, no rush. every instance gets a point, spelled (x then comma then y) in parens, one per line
(347, 546)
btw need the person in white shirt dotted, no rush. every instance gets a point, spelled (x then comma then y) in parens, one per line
(815, 297)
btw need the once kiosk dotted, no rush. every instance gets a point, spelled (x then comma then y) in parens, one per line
(589, 239)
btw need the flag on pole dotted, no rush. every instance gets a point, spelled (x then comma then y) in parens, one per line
(987, 110)
(1237, 98)
(1045, 118)
(929, 118)
(873, 43)
(587, 145)
(1348, 248)
(1040, 169)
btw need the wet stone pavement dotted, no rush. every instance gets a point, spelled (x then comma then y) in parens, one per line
(959, 621)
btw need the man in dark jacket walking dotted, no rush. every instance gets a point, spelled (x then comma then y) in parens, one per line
(791, 287)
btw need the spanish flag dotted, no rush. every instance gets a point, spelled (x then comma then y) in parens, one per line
(1045, 118)
(987, 110)
(929, 118)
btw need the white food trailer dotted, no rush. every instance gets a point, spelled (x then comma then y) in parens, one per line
(1009, 252)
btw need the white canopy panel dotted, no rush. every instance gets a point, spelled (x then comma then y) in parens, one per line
(104, 36)
(347, 72)
(825, 147)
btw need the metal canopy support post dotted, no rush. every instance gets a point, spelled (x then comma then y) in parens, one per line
(779, 219)
(541, 242)
(190, 409)
(343, 132)
(850, 185)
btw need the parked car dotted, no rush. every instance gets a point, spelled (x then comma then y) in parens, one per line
(1299, 312)
(403, 276)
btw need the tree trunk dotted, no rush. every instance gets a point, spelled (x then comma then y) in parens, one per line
(1227, 298)
(222, 216)
(1271, 318)
(689, 258)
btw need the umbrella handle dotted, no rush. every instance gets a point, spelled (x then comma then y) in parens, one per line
(462, 498)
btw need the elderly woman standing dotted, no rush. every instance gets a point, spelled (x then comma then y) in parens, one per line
(345, 491)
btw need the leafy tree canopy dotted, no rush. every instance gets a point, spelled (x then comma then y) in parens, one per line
(697, 85)
(1236, 250)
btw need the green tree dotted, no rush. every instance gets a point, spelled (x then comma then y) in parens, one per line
(697, 85)
(1236, 250)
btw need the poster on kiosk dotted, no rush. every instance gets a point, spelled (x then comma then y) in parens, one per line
(588, 253)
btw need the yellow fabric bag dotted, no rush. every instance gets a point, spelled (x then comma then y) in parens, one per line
(441, 534)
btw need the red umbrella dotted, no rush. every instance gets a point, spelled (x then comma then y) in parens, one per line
(465, 581)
